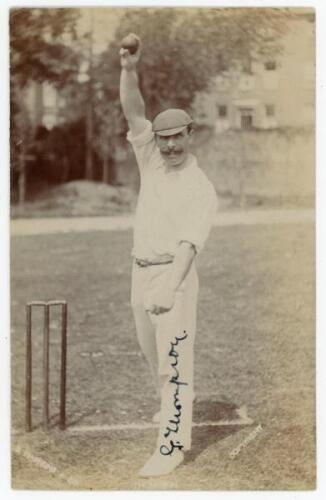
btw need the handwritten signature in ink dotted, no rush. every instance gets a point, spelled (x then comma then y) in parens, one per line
(165, 450)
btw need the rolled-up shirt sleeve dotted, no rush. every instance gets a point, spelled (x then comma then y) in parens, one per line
(200, 217)
(143, 145)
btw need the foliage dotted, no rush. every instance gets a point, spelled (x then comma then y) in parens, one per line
(39, 45)
(184, 48)
(39, 51)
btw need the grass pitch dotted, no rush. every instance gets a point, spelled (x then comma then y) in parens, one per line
(255, 346)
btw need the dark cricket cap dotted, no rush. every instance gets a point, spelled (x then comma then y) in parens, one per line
(171, 121)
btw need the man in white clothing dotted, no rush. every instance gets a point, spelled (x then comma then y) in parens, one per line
(175, 211)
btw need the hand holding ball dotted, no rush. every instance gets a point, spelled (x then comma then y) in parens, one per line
(130, 51)
(131, 43)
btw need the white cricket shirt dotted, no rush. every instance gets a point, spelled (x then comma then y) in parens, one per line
(172, 206)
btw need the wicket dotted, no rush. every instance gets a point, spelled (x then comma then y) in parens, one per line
(46, 352)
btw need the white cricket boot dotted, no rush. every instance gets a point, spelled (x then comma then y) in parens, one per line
(160, 465)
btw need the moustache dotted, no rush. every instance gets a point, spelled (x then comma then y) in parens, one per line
(168, 152)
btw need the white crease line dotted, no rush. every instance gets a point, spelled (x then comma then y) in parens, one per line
(145, 426)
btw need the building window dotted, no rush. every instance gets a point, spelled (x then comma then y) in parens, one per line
(270, 110)
(270, 65)
(222, 111)
(247, 119)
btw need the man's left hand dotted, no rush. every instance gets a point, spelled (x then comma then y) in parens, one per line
(162, 301)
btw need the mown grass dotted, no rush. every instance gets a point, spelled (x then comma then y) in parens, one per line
(255, 347)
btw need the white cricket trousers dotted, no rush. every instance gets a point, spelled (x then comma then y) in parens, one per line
(167, 341)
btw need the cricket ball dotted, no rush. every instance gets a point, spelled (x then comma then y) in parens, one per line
(131, 43)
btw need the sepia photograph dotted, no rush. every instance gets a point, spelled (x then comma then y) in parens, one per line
(162, 248)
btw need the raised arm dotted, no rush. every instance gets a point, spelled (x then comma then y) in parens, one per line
(132, 102)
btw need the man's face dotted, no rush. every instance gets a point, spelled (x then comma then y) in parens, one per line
(174, 148)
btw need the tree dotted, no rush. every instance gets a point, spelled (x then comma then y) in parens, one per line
(185, 48)
(39, 51)
(182, 50)
(109, 127)
(40, 42)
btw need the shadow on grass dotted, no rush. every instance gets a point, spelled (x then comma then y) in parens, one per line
(213, 410)
(205, 436)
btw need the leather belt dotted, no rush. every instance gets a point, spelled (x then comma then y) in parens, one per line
(155, 262)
